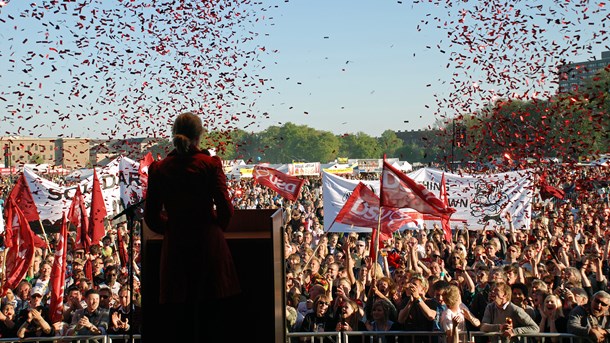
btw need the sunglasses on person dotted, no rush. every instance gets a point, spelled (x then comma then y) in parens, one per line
(323, 303)
(601, 302)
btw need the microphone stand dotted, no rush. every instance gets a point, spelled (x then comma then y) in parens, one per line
(130, 213)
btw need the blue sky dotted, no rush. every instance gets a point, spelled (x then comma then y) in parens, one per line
(354, 66)
(341, 66)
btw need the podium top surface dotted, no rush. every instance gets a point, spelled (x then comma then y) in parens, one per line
(253, 220)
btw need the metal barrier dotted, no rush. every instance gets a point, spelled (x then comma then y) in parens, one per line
(79, 339)
(420, 336)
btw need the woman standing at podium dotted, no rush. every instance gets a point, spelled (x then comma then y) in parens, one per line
(187, 201)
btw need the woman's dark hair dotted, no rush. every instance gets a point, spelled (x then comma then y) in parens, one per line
(521, 286)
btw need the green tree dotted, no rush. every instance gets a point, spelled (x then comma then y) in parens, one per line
(389, 143)
(359, 145)
(324, 146)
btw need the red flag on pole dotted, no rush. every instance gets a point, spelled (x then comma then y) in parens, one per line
(21, 252)
(77, 215)
(547, 191)
(362, 209)
(97, 213)
(400, 191)
(122, 249)
(143, 172)
(58, 272)
(285, 185)
(374, 245)
(22, 196)
(445, 218)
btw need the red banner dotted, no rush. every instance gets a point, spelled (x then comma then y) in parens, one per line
(362, 209)
(445, 218)
(97, 212)
(22, 196)
(285, 185)
(20, 248)
(58, 272)
(78, 217)
(400, 191)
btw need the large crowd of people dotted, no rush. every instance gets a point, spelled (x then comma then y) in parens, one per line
(550, 278)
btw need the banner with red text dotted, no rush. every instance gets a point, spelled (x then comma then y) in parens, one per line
(478, 199)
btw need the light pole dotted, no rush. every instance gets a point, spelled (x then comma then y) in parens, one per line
(452, 144)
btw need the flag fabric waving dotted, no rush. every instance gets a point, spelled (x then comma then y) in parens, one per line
(20, 248)
(362, 209)
(23, 198)
(97, 213)
(400, 191)
(122, 249)
(547, 191)
(143, 172)
(58, 272)
(77, 215)
(285, 185)
(445, 218)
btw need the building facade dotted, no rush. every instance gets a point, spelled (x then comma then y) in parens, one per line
(573, 76)
(64, 152)
(69, 153)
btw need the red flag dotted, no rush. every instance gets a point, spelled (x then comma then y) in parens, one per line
(143, 172)
(88, 269)
(58, 273)
(400, 191)
(374, 245)
(445, 218)
(122, 250)
(285, 185)
(362, 209)
(97, 213)
(547, 191)
(21, 253)
(77, 215)
(22, 196)
(38, 241)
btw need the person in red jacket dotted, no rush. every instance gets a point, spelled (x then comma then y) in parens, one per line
(188, 203)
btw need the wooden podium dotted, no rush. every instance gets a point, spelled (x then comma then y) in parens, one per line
(256, 241)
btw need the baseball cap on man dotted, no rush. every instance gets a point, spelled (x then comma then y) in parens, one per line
(36, 291)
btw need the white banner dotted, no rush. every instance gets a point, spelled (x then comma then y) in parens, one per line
(478, 199)
(304, 168)
(119, 181)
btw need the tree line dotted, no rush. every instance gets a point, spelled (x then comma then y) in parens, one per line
(567, 125)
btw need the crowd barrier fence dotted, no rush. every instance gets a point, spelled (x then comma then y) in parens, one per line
(80, 339)
(424, 337)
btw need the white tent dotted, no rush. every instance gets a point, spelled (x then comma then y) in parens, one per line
(403, 166)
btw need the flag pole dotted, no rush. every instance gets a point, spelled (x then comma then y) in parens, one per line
(379, 217)
(44, 235)
(4, 253)
(312, 256)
